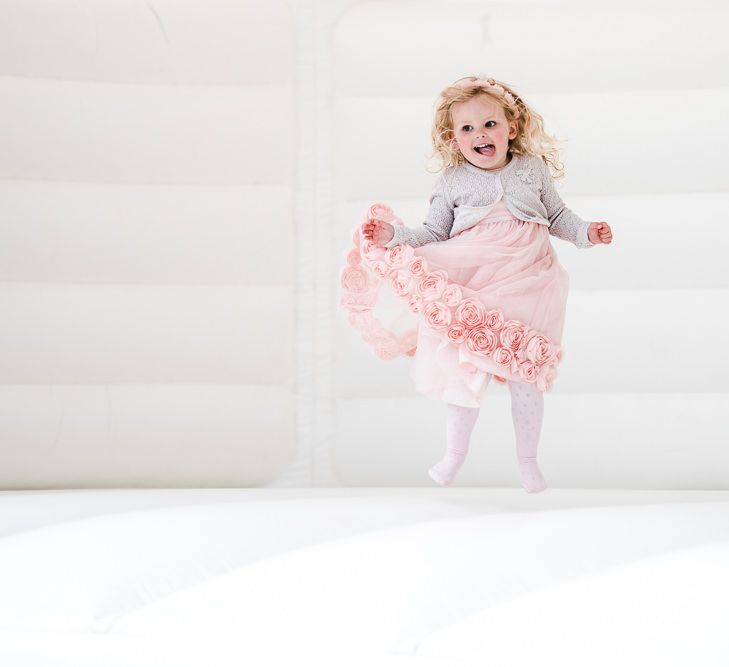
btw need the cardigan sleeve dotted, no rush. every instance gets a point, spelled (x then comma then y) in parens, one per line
(563, 223)
(438, 221)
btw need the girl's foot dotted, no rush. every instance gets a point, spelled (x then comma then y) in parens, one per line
(459, 425)
(445, 470)
(531, 476)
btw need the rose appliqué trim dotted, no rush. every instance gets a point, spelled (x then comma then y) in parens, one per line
(440, 305)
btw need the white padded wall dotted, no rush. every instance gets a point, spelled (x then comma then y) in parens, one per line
(641, 92)
(147, 267)
(178, 182)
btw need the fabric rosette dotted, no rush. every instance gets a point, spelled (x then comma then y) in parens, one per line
(380, 268)
(371, 251)
(354, 279)
(456, 333)
(452, 295)
(528, 371)
(494, 320)
(512, 335)
(431, 285)
(399, 255)
(437, 315)
(381, 212)
(470, 313)
(353, 256)
(481, 340)
(538, 349)
(418, 266)
(504, 357)
(400, 281)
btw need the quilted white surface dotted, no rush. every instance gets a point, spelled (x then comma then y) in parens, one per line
(426, 576)
(147, 243)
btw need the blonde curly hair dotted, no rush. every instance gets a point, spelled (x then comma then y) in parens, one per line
(531, 138)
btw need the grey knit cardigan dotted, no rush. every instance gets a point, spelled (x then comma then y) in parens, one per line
(463, 195)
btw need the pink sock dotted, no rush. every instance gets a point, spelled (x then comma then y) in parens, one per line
(459, 426)
(527, 411)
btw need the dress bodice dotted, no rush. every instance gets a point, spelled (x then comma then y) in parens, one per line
(468, 216)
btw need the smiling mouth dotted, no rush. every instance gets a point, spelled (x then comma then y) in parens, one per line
(485, 149)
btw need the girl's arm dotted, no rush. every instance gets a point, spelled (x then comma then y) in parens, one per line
(438, 221)
(563, 223)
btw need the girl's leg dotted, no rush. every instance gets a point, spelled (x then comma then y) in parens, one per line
(459, 426)
(527, 411)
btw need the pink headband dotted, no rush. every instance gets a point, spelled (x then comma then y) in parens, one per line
(491, 85)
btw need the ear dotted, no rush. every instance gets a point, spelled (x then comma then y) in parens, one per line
(513, 128)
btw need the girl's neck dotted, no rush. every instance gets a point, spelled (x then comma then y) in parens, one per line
(472, 166)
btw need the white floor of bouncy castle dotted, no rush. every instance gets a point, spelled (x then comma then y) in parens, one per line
(363, 576)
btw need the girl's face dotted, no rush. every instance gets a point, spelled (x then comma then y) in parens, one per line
(482, 132)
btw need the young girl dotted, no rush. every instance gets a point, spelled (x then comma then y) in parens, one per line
(480, 277)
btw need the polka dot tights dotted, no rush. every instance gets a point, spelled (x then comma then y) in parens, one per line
(459, 425)
(527, 411)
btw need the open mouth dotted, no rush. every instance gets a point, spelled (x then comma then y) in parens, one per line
(485, 149)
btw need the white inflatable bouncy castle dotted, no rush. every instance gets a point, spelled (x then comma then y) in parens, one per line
(202, 464)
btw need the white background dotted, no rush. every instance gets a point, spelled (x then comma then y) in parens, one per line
(178, 184)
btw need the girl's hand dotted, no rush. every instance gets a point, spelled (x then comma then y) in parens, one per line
(599, 232)
(377, 231)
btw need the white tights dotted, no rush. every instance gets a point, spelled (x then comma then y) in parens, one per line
(527, 412)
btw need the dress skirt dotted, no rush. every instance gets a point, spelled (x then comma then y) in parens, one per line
(488, 302)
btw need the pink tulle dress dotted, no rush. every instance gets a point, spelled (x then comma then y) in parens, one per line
(488, 302)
